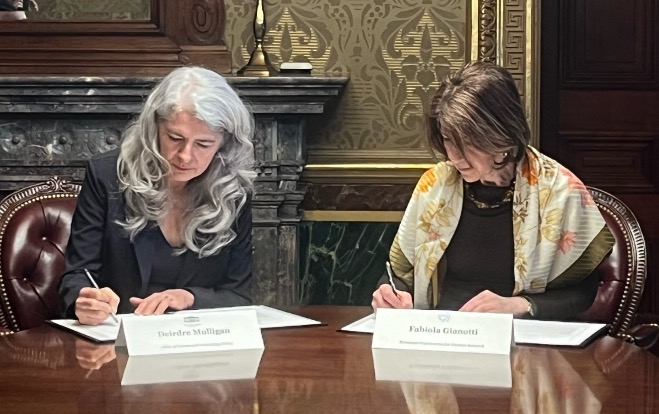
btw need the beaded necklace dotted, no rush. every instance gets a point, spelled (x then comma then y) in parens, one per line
(506, 199)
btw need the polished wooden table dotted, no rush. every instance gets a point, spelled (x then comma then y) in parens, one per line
(320, 370)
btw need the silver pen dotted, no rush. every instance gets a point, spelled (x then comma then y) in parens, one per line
(391, 278)
(93, 282)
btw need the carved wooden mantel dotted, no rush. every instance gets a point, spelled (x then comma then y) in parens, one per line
(179, 32)
(50, 126)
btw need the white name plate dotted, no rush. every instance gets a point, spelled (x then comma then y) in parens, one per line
(186, 333)
(432, 330)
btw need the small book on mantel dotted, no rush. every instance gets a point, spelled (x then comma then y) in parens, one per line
(577, 334)
(295, 68)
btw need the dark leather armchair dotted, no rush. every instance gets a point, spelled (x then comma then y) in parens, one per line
(623, 275)
(35, 224)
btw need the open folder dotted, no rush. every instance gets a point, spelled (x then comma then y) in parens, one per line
(108, 331)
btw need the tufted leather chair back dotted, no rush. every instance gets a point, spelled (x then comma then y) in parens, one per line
(35, 224)
(623, 272)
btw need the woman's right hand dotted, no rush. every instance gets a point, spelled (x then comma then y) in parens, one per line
(93, 306)
(385, 297)
(93, 356)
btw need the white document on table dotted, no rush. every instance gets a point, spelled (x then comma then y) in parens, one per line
(525, 331)
(107, 331)
(268, 317)
(363, 325)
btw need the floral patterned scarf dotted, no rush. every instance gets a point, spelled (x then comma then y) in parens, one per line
(559, 233)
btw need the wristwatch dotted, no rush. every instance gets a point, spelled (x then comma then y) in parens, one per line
(531, 311)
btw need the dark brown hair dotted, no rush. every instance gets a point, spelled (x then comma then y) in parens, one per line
(479, 106)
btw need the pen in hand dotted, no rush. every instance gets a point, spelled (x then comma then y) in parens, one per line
(93, 282)
(391, 278)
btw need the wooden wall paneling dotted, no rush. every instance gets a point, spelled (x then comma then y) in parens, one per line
(611, 161)
(600, 105)
(609, 110)
(601, 48)
(179, 32)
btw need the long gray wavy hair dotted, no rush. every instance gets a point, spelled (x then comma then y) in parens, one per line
(216, 197)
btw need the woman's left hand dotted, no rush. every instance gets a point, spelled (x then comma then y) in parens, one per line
(487, 301)
(158, 303)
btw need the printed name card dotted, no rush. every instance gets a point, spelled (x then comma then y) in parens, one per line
(486, 333)
(186, 332)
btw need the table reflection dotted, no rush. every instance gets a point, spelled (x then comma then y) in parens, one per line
(197, 366)
(485, 370)
(543, 381)
(93, 356)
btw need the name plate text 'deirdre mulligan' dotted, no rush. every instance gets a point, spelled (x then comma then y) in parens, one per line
(184, 333)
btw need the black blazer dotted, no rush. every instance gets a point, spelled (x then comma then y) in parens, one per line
(99, 244)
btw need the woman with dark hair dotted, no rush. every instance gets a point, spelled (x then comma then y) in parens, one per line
(497, 226)
(165, 221)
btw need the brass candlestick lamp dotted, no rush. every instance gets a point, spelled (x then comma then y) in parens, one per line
(259, 64)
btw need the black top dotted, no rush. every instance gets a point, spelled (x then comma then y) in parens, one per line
(480, 255)
(167, 265)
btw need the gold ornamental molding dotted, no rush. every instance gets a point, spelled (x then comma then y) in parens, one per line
(382, 173)
(353, 216)
(508, 33)
(375, 166)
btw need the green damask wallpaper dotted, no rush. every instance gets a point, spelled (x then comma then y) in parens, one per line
(393, 50)
(91, 10)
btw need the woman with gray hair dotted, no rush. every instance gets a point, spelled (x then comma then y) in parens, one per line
(164, 223)
(497, 226)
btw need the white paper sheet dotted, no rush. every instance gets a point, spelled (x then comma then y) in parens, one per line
(104, 332)
(525, 331)
(554, 333)
(267, 318)
(363, 325)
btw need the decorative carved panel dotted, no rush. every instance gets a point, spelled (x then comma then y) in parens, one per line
(178, 33)
(609, 43)
(513, 41)
(487, 30)
(618, 163)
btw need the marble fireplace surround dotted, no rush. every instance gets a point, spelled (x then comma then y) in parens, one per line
(50, 126)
